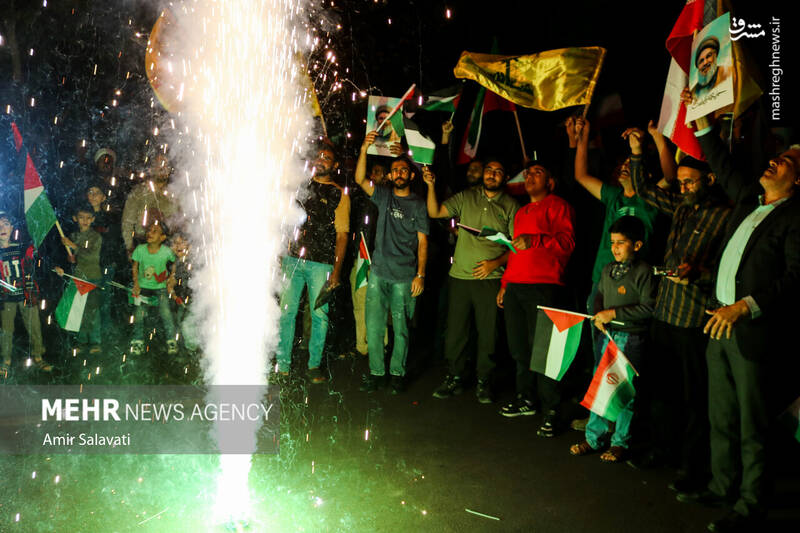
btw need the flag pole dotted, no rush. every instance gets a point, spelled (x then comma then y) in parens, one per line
(61, 232)
(521, 141)
(619, 352)
(543, 308)
(79, 279)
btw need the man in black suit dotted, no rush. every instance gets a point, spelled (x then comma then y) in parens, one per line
(757, 285)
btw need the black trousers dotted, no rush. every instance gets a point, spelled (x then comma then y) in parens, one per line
(520, 303)
(739, 415)
(679, 381)
(468, 299)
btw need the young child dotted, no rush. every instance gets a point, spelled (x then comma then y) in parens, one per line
(626, 293)
(113, 260)
(152, 277)
(185, 316)
(85, 245)
(18, 291)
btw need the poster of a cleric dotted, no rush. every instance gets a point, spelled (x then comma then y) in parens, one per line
(378, 108)
(711, 70)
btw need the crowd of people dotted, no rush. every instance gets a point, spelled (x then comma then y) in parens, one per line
(696, 265)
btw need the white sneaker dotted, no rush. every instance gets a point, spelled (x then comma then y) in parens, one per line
(137, 347)
(172, 347)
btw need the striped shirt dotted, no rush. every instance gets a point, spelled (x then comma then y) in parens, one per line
(695, 237)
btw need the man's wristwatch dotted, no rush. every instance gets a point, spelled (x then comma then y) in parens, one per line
(421, 276)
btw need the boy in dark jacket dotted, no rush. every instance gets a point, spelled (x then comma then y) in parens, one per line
(626, 293)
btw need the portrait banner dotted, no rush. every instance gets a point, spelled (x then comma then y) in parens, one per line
(378, 108)
(711, 70)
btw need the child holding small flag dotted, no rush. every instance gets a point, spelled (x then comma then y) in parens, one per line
(626, 293)
(151, 277)
(18, 291)
(85, 245)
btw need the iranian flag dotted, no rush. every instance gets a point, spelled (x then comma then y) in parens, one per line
(69, 311)
(558, 334)
(362, 263)
(672, 120)
(612, 385)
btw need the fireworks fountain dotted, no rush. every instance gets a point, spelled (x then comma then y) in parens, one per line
(231, 72)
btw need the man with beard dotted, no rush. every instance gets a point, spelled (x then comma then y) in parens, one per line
(397, 274)
(709, 73)
(678, 362)
(474, 173)
(751, 374)
(314, 260)
(478, 265)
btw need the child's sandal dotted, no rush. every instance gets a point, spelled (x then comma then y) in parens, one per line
(582, 448)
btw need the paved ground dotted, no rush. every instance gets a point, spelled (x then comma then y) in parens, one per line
(352, 461)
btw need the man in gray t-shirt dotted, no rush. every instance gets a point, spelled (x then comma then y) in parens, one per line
(474, 281)
(397, 273)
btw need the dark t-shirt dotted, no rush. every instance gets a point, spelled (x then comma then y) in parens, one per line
(399, 220)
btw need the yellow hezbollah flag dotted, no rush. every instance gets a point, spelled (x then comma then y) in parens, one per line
(546, 81)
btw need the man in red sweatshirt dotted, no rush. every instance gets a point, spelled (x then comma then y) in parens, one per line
(544, 237)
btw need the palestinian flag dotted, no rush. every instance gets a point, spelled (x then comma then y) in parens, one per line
(421, 148)
(485, 102)
(612, 385)
(69, 311)
(497, 236)
(362, 264)
(39, 213)
(444, 100)
(791, 418)
(555, 344)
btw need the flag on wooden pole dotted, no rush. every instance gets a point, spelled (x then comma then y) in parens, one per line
(71, 306)
(556, 340)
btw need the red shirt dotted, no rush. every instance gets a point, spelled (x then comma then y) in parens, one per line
(551, 222)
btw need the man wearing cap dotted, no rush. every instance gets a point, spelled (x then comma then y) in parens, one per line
(478, 265)
(148, 201)
(751, 375)
(679, 374)
(709, 73)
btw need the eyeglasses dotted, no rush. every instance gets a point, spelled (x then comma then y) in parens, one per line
(685, 184)
(401, 171)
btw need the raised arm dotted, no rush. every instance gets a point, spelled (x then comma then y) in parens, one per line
(435, 209)
(669, 169)
(590, 183)
(361, 165)
(664, 201)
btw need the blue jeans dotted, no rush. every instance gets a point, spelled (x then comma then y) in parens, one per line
(385, 296)
(300, 273)
(163, 310)
(598, 428)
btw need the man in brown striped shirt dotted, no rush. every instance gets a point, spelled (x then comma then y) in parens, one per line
(678, 369)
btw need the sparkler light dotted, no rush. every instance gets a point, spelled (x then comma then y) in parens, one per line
(247, 114)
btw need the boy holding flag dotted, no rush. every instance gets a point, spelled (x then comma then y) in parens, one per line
(626, 293)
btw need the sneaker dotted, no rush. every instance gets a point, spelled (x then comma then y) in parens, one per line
(398, 384)
(172, 347)
(316, 376)
(484, 391)
(371, 383)
(518, 407)
(548, 427)
(137, 347)
(452, 385)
